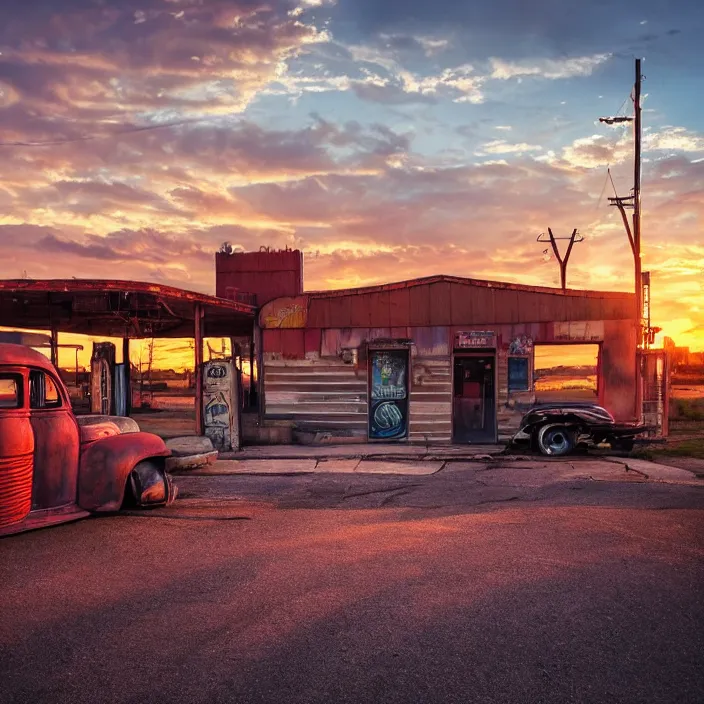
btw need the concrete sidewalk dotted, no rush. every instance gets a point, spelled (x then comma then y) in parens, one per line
(284, 466)
(364, 451)
(357, 458)
(419, 461)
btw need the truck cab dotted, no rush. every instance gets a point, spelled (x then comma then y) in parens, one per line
(54, 469)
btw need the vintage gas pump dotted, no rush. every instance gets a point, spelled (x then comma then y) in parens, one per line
(102, 378)
(109, 382)
(221, 408)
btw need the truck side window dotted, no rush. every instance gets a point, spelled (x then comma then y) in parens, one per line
(10, 391)
(43, 392)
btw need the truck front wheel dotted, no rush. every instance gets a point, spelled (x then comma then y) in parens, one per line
(149, 485)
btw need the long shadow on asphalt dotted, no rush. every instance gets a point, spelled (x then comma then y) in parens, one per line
(504, 607)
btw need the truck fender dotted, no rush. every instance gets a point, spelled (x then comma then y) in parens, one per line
(106, 465)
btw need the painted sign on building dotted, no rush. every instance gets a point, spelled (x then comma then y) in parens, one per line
(285, 313)
(468, 340)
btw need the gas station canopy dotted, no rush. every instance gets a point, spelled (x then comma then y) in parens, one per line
(127, 309)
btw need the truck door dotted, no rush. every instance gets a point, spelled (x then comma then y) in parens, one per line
(56, 442)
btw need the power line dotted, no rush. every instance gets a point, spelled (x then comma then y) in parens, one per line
(625, 100)
(603, 188)
(120, 133)
(613, 185)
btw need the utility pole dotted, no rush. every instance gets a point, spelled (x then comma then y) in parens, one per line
(634, 235)
(560, 260)
(636, 200)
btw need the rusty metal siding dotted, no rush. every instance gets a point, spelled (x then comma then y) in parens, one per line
(340, 310)
(322, 393)
(462, 304)
(399, 307)
(381, 317)
(268, 275)
(618, 352)
(419, 302)
(431, 341)
(312, 341)
(293, 344)
(334, 340)
(441, 303)
(287, 344)
(430, 418)
(360, 316)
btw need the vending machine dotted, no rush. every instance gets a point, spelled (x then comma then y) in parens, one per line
(221, 409)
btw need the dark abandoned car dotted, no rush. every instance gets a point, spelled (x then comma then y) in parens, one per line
(558, 429)
(54, 468)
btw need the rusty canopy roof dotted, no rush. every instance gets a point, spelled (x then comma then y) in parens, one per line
(118, 309)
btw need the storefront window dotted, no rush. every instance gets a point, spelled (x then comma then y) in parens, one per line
(566, 372)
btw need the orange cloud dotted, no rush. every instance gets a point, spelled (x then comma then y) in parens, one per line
(114, 195)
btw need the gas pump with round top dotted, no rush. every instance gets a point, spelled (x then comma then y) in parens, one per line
(221, 410)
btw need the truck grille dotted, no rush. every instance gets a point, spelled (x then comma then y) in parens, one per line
(15, 489)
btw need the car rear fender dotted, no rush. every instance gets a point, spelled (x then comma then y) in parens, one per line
(538, 421)
(106, 465)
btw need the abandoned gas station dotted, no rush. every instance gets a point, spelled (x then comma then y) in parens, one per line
(435, 360)
(128, 310)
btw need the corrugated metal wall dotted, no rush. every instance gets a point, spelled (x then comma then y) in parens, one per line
(431, 399)
(325, 394)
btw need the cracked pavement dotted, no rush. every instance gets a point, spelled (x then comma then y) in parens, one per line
(533, 581)
(451, 484)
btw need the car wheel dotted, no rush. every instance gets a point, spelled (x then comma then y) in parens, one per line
(556, 440)
(148, 485)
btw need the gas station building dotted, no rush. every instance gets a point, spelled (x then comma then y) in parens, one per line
(438, 359)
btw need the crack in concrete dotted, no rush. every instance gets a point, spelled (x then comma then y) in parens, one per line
(627, 467)
(379, 491)
(400, 492)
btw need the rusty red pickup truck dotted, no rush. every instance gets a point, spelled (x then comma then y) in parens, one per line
(56, 467)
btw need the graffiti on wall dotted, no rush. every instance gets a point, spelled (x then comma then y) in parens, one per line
(388, 412)
(217, 410)
(521, 345)
(285, 313)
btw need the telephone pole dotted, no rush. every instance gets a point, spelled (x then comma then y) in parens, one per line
(634, 234)
(633, 201)
(636, 199)
(562, 261)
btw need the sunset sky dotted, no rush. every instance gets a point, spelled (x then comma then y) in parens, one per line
(388, 139)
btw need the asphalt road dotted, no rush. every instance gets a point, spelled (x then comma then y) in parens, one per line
(465, 586)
